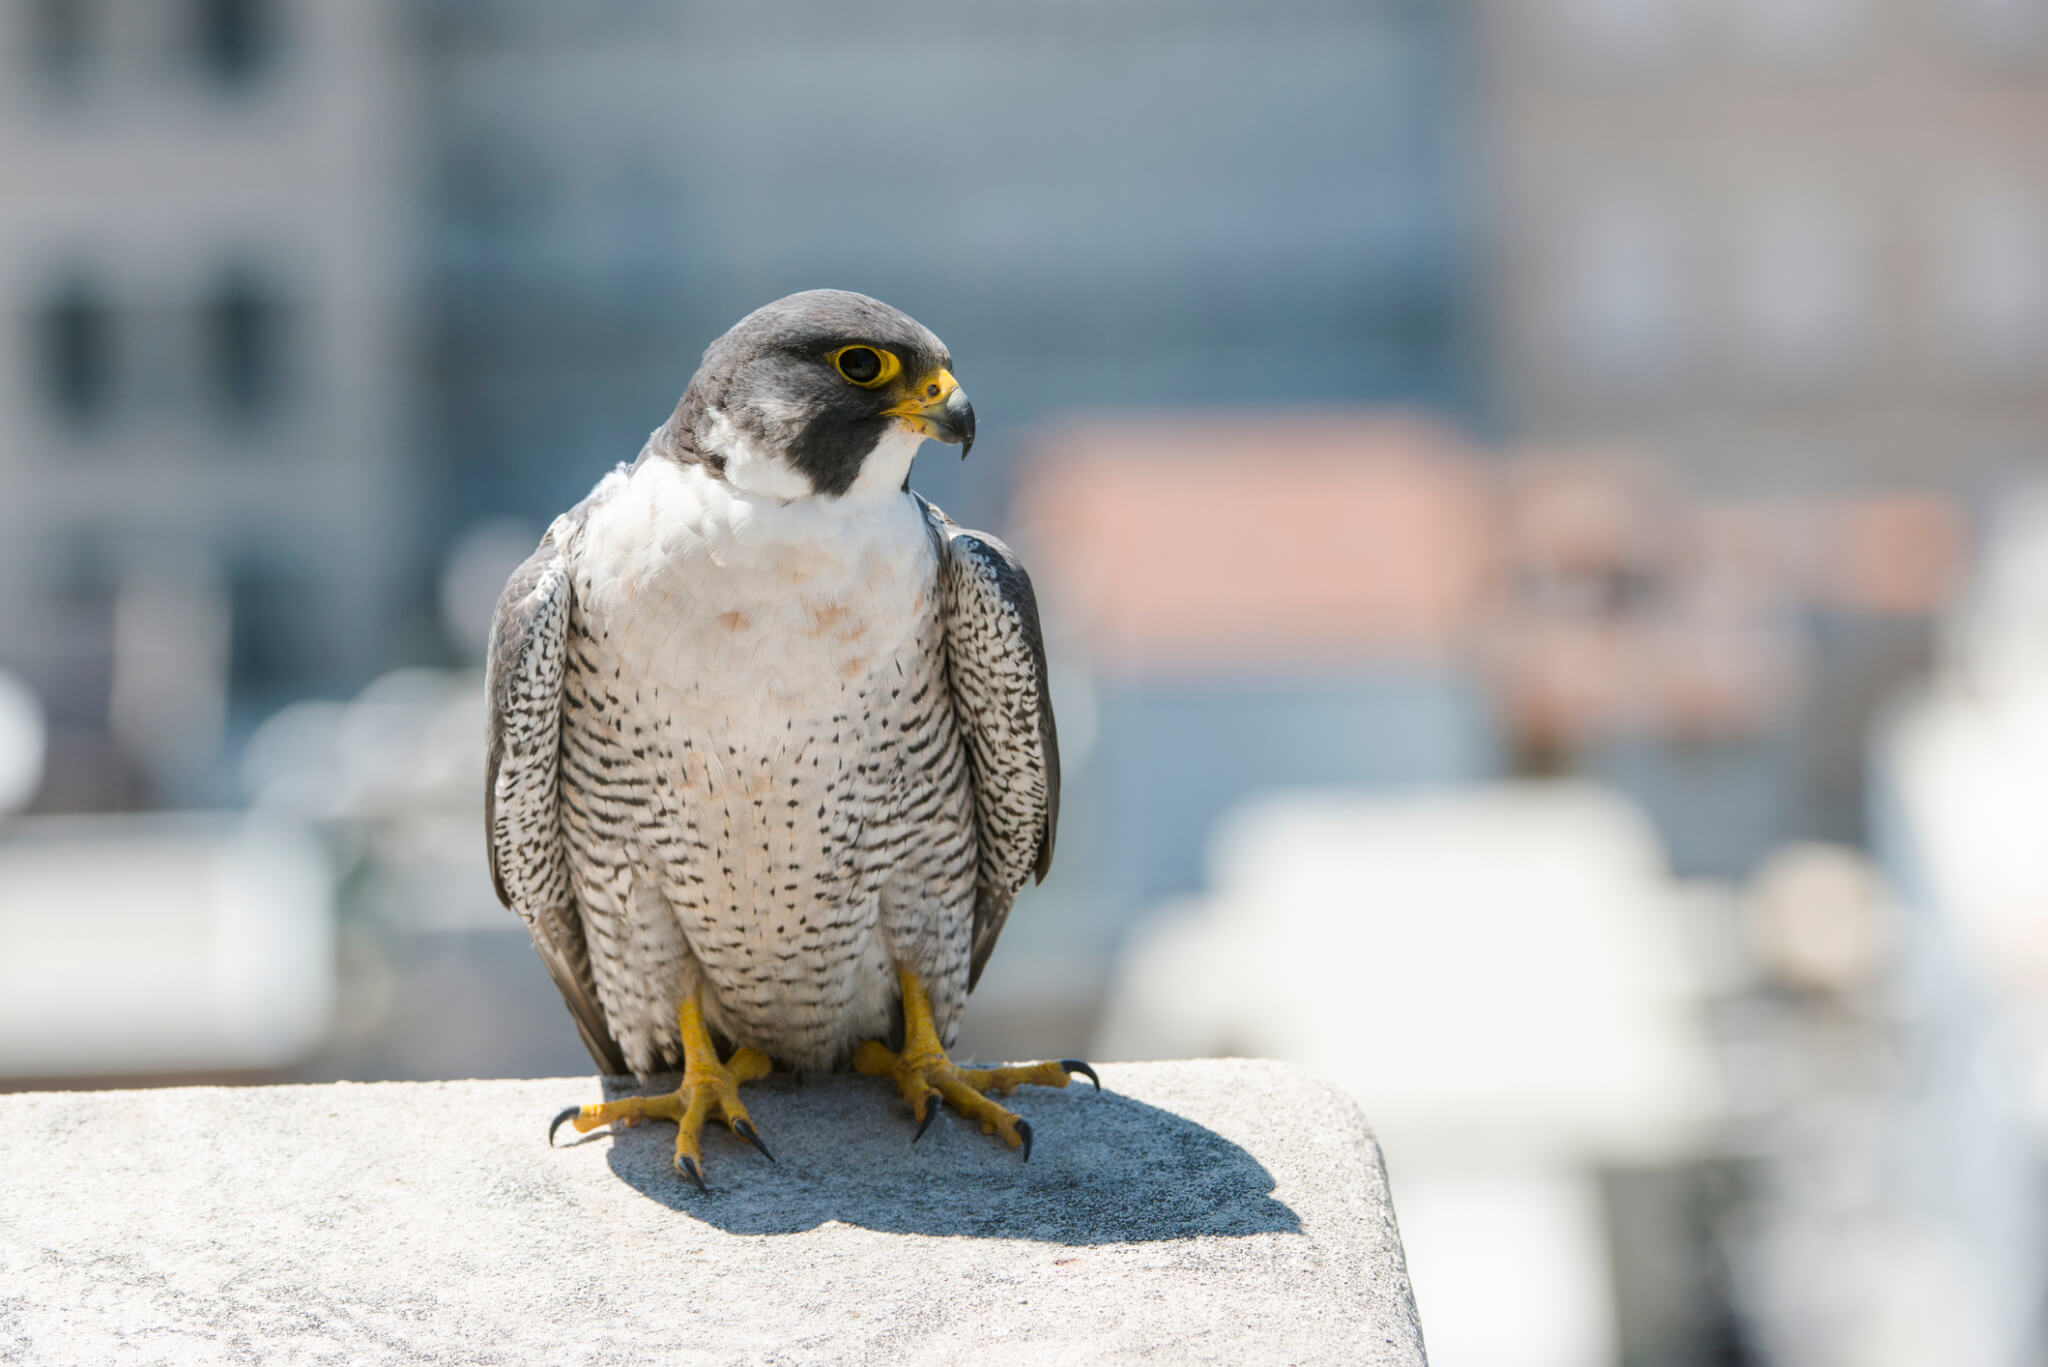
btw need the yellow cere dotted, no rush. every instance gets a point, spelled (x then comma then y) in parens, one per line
(931, 391)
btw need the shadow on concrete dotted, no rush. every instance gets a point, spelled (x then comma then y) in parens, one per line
(1104, 1169)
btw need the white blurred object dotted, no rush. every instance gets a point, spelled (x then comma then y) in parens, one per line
(1498, 975)
(1497, 971)
(1971, 769)
(1864, 1291)
(1970, 763)
(1517, 1266)
(397, 775)
(1820, 919)
(24, 735)
(413, 739)
(1997, 638)
(139, 945)
(1960, 785)
(473, 576)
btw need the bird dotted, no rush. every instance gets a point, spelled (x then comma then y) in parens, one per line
(771, 751)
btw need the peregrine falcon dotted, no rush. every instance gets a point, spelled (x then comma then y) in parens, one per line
(770, 749)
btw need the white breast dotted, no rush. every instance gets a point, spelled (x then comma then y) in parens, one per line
(746, 608)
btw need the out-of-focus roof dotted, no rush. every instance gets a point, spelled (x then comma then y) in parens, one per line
(1275, 539)
(1597, 596)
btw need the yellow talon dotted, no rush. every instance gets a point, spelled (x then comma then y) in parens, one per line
(925, 1076)
(708, 1087)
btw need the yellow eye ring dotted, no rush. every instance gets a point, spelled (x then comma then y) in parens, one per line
(870, 367)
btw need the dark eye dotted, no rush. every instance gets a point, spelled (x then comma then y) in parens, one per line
(860, 364)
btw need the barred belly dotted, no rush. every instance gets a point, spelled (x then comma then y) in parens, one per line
(776, 822)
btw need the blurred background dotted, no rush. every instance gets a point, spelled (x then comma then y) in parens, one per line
(1539, 506)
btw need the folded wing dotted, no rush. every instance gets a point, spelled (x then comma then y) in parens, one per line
(995, 666)
(529, 862)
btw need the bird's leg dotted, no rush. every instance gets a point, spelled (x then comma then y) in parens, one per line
(924, 1076)
(708, 1086)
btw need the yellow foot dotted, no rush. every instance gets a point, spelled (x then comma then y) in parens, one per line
(925, 1077)
(708, 1087)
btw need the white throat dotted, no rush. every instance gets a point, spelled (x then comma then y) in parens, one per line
(888, 465)
(748, 466)
(728, 595)
(754, 469)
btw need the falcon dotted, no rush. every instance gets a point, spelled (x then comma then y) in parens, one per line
(770, 748)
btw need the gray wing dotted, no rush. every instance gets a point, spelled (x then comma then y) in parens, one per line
(522, 789)
(995, 666)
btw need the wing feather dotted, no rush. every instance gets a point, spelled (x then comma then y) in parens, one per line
(995, 666)
(522, 818)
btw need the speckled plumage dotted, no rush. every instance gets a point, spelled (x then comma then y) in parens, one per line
(765, 743)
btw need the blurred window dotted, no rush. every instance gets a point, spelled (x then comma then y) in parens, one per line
(1993, 284)
(60, 39)
(1803, 295)
(2001, 28)
(1798, 31)
(234, 38)
(1624, 35)
(491, 186)
(245, 327)
(1621, 300)
(74, 349)
(276, 609)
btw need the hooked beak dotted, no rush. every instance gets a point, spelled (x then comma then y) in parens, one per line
(938, 408)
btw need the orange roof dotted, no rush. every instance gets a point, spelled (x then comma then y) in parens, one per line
(1594, 594)
(1899, 554)
(1263, 541)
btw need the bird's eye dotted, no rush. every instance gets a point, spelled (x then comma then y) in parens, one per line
(866, 366)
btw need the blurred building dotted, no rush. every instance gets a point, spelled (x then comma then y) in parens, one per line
(1721, 658)
(1770, 251)
(201, 371)
(1097, 207)
(237, 211)
(1777, 243)
(1386, 605)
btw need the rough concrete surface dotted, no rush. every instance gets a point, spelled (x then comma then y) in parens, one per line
(1193, 1212)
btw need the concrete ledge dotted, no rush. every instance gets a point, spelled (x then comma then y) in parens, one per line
(1194, 1212)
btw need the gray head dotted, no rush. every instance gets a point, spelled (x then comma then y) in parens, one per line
(822, 393)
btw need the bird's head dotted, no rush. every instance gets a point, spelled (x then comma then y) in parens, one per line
(825, 393)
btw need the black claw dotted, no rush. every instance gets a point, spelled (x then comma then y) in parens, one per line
(1024, 1128)
(687, 1166)
(745, 1130)
(932, 1104)
(556, 1123)
(1076, 1065)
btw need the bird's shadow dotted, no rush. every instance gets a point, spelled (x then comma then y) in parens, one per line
(1104, 1168)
